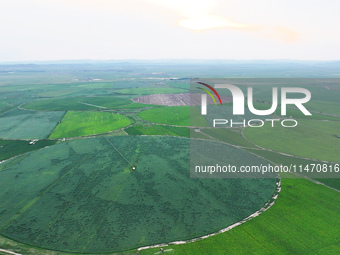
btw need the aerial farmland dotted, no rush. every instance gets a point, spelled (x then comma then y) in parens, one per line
(96, 162)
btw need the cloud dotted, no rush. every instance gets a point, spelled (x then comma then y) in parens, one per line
(199, 15)
(194, 15)
(187, 7)
(204, 22)
(282, 33)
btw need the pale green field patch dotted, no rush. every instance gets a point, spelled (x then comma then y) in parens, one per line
(76, 124)
(310, 138)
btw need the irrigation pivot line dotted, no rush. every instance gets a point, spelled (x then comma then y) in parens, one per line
(118, 151)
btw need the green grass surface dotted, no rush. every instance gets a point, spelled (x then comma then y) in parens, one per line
(330, 107)
(158, 130)
(75, 124)
(179, 84)
(96, 85)
(143, 130)
(284, 160)
(174, 131)
(297, 114)
(11, 148)
(77, 103)
(226, 112)
(117, 133)
(151, 90)
(173, 115)
(137, 105)
(20, 124)
(57, 93)
(198, 135)
(304, 220)
(331, 182)
(232, 136)
(3, 106)
(82, 196)
(281, 159)
(311, 139)
(196, 119)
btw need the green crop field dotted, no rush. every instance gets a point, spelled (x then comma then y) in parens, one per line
(133, 83)
(304, 220)
(297, 114)
(144, 130)
(3, 106)
(151, 90)
(285, 160)
(57, 93)
(179, 84)
(158, 130)
(330, 107)
(83, 196)
(226, 112)
(174, 131)
(20, 124)
(11, 148)
(132, 185)
(311, 139)
(75, 124)
(96, 85)
(137, 105)
(173, 115)
(77, 103)
(228, 135)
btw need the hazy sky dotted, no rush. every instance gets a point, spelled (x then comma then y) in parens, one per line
(163, 29)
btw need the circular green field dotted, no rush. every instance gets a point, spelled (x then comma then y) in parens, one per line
(84, 196)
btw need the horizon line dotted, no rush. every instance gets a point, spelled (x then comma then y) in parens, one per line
(161, 59)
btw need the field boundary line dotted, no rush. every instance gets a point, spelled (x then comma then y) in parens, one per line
(98, 106)
(24, 109)
(118, 151)
(9, 252)
(289, 155)
(316, 182)
(293, 156)
(3, 161)
(327, 114)
(7, 111)
(264, 208)
(216, 140)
